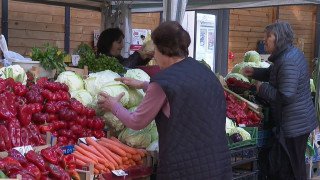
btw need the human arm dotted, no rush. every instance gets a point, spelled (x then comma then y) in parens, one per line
(287, 81)
(261, 74)
(137, 84)
(138, 58)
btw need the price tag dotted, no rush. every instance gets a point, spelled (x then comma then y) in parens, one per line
(242, 125)
(75, 59)
(119, 173)
(83, 140)
(23, 149)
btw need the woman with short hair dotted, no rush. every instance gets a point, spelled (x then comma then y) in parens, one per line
(189, 106)
(111, 42)
(286, 87)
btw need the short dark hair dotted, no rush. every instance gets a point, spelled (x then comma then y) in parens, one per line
(283, 33)
(107, 37)
(171, 39)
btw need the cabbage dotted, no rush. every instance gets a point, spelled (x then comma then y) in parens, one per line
(96, 80)
(238, 67)
(252, 56)
(15, 72)
(237, 76)
(72, 80)
(114, 89)
(154, 146)
(137, 74)
(154, 133)
(229, 125)
(312, 86)
(112, 121)
(135, 139)
(83, 96)
(135, 97)
(245, 135)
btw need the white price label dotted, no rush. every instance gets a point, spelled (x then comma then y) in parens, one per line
(242, 125)
(23, 149)
(119, 173)
(75, 59)
(83, 140)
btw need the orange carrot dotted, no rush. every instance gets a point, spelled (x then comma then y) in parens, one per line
(142, 152)
(129, 156)
(139, 162)
(101, 150)
(114, 156)
(121, 167)
(120, 145)
(83, 158)
(108, 170)
(96, 171)
(112, 148)
(80, 163)
(99, 167)
(86, 153)
(124, 159)
(126, 162)
(115, 139)
(125, 166)
(88, 148)
(136, 157)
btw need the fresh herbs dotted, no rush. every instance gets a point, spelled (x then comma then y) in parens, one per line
(100, 64)
(51, 58)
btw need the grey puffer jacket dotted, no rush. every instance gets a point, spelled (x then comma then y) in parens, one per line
(289, 84)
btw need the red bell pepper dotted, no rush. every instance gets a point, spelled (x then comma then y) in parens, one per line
(24, 141)
(52, 86)
(98, 133)
(90, 112)
(10, 160)
(2, 86)
(12, 170)
(44, 128)
(34, 96)
(50, 155)
(58, 172)
(17, 156)
(50, 107)
(6, 138)
(35, 135)
(37, 159)
(19, 89)
(76, 129)
(64, 87)
(82, 120)
(41, 81)
(24, 114)
(34, 170)
(40, 117)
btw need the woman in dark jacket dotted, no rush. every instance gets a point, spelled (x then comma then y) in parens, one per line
(188, 103)
(111, 42)
(289, 95)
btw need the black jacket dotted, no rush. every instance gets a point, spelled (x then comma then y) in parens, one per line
(288, 79)
(192, 141)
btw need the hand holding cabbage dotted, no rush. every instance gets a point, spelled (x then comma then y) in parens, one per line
(247, 71)
(131, 82)
(108, 101)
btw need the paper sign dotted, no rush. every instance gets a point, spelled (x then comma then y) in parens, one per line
(119, 173)
(23, 149)
(83, 140)
(242, 125)
(75, 59)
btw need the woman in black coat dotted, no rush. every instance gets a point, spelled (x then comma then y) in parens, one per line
(111, 42)
(289, 95)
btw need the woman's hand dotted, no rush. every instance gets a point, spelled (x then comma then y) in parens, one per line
(247, 71)
(108, 101)
(131, 82)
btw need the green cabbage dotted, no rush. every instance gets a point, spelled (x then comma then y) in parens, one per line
(112, 121)
(135, 139)
(83, 96)
(16, 72)
(114, 89)
(237, 76)
(96, 80)
(229, 125)
(238, 67)
(137, 74)
(154, 146)
(135, 97)
(154, 133)
(252, 56)
(312, 86)
(245, 135)
(72, 79)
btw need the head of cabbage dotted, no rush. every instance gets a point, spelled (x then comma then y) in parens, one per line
(238, 67)
(16, 72)
(83, 96)
(237, 76)
(114, 89)
(96, 80)
(136, 139)
(112, 121)
(252, 56)
(135, 97)
(72, 80)
(137, 74)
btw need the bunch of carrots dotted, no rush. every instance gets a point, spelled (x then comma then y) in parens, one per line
(107, 155)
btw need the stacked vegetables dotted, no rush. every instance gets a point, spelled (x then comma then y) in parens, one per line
(107, 155)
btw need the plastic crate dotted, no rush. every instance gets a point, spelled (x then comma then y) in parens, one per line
(253, 131)
(263, 137)
(244, 155)
(244, 175)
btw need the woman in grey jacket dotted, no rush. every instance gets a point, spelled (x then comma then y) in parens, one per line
(288, 92)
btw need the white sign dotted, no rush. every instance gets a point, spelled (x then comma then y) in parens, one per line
(138, 37)
(119, 173)
(75, 59)
(24, 149)
(96, 35)
(83, 140)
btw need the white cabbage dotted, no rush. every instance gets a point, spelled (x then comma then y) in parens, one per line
(112, 121)
(135, 97)
(137, 74)
(72, 80)
(96, 80)
(252, 56)
(83, 96)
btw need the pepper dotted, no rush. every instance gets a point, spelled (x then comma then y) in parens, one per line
(58, 172)
(45, 178)
(41, 81)
(34, 96)
(90, 112)
(24, 137)
(34, 170)
(44, 128)
(76, 129)
(50, 155)
(24, 175)
(53, 117)
(61, 104)
(52, 86)
(64, 87)
(67, 114)
(2, 144)
(50, 107)
(24, 114)
(5, 108)
(59, 152)
(98, 123)
(47, 94)
(40, 117)
(5, 135)
(13, 170)
(9, 82)
(19, 89)
(98, 133)
(36, 159)
(36, 137)
(82, 120)
(54, 133)
(17, 156)
(69, 164)
(10, 160)
(76, 106)
(74, 174)
(62, 139)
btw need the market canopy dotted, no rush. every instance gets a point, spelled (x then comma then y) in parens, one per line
(157, 5)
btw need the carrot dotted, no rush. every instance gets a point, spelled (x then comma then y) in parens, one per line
(120, 145)
(124, 159)
(129, 156)
(121, 167)
(125, 166)
(113, 155)
(86, 153)
(80, 163)
(101, 150)
(142, 152)
(99, 166)
(132, 162)
(126, 162)
(90, 149)
(139, 162)
(96, 171)
(108, 170)
(136, 157)
(115, 139)
(112, 148)
(83, 158)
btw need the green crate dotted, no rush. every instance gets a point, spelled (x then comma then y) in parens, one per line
(253, 131)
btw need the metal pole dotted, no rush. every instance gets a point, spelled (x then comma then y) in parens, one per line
(4, 21)
(67, 30)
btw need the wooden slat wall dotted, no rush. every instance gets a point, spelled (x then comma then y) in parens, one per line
(82, 25)
(145, 20)
(302, 20)
(245, 29)
(33, 24)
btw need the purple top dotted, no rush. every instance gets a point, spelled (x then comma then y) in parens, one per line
(154, 101)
